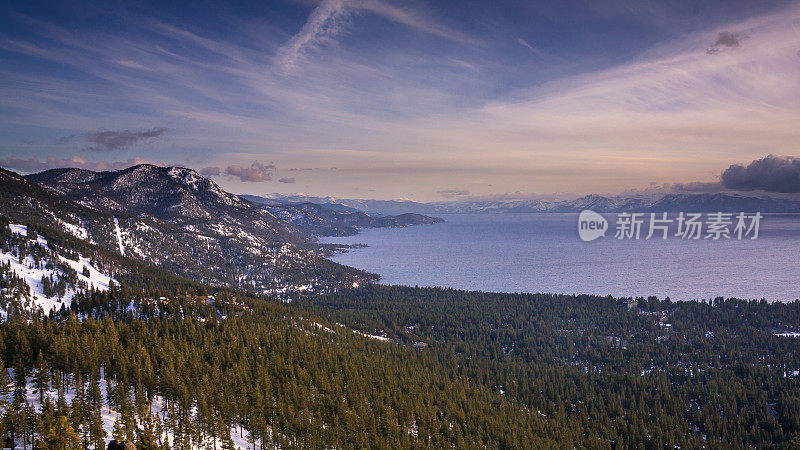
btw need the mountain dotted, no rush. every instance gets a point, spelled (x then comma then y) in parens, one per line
(179, 221)
(336, 220)
(176, 195)
(707, 202)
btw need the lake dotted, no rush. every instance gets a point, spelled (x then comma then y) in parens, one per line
(543, 253)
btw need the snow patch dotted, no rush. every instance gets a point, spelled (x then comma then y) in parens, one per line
(76, 230)
(373, 336)
(790, 334)
(119, 236)
(18, 229)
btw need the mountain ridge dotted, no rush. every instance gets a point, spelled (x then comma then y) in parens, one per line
(337, 220)
(705, 202)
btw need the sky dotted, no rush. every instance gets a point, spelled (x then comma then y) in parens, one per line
(421, 100)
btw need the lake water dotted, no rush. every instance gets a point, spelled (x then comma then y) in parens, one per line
(542, 253)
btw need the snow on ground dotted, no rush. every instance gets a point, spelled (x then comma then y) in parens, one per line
(239, 435)
(322, 327)
(32, 275)
(19, 229)
(23, 230)
(119, 236)
(96, 279)
(792, 334)
(76, 230)
(373, 336)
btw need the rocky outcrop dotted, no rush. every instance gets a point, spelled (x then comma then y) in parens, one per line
(121, 445)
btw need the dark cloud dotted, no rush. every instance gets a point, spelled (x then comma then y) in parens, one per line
(210, 171)
(725, 40)
(453, 193)
(35, 165)
(287, 180)
(256, 172)
(102, 141)
(66, 139)
(771, 174)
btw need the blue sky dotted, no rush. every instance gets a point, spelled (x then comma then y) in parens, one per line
(413, 99)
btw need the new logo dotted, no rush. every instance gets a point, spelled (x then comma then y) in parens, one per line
(591, 225)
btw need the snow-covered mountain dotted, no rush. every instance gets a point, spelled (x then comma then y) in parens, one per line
(708, 202)
(178, 221)
(176, 195)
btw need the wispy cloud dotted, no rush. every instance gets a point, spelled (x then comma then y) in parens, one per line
(530, 47)
(333, 17)
(417, 20)
(326, 20)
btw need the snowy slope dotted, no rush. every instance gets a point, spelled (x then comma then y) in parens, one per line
(33, 271)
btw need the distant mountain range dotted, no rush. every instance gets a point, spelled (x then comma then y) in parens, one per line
(722, 202)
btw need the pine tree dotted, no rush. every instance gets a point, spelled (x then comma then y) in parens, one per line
(118, 432)
(81, 410)
(62, 436)
(147, 432)
(58, 384)
(16, 412)
(41, 377)
(30, 422)
(159, 431)
(227, 441)
(20, 384)
(4, 387)
(94, 395)
(96, 432)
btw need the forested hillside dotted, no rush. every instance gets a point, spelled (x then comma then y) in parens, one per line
(624, 372)
(394, 367)
(209, 365)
